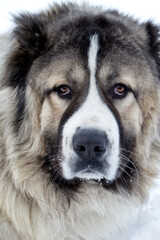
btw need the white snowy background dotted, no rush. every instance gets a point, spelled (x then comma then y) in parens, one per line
(148, 225)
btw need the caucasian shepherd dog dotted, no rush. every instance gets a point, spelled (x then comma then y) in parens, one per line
(79, 117)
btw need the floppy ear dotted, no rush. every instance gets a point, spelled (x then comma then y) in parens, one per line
(31, 32)
(31, 39)
(153, 32)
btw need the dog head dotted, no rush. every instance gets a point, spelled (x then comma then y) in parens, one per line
(94, 77)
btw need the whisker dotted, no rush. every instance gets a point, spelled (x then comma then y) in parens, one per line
(123, 180)
(126, 150)
(52, 157)
(125, 172)
(133, 164)
(127, 159)
(126, 166)
(57, 175)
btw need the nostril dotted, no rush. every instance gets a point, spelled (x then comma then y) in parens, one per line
(81, 148)
(99, 149)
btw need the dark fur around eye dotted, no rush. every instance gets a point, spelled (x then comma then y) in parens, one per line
(63, 91)
(119, 91)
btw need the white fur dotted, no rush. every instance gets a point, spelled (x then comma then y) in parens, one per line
(94, 113)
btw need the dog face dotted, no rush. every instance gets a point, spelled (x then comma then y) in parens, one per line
(88, 142)
(93, 107)
(97, 89)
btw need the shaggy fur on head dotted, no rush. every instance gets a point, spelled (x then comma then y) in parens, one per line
(67, 45)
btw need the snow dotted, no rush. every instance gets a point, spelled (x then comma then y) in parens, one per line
(148, 225)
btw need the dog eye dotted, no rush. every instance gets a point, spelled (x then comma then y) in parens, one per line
(63, 91)
(120, 91)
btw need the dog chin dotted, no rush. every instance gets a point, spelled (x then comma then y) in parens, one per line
(91, 177)
(88, 174)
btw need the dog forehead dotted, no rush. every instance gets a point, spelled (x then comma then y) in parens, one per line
(63, 69)
(67, 62)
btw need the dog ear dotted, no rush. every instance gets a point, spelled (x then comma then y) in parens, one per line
(30, 39)
(31, 33)
(153, 32)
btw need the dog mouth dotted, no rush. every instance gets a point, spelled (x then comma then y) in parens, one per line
(72, 184)
(91, 176)
(102, 182)
(90, 172)
(124, 177)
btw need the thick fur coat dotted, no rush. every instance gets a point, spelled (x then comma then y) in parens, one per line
(50, 66)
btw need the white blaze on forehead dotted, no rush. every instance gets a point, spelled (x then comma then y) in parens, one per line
(92, 56)
(93, 113)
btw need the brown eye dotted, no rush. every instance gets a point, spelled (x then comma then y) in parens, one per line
(120, 90)
(64, 91)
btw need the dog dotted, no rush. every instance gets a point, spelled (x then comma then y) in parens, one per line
(79, 122)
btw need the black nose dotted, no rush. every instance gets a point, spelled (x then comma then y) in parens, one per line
(89, 144)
